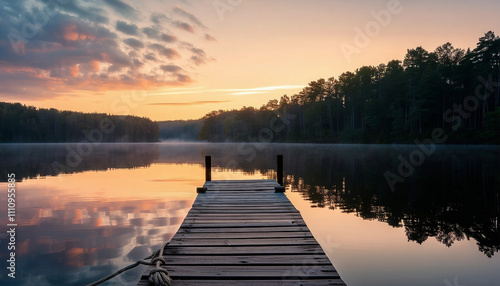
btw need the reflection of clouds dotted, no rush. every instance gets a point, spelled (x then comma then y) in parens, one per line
(92, 234)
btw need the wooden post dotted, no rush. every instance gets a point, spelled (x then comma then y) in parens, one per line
(279, 176)
(208, 168)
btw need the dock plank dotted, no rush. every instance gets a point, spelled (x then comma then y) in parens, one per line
(268, 259)
(241, 241)
(251, 271)
(287, 282)
(243, 233)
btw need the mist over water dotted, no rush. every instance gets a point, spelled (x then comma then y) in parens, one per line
(118, 202)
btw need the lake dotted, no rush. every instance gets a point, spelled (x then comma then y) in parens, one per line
(385, 215)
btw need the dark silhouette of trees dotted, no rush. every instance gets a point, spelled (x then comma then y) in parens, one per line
(398, 102)
(24, 124)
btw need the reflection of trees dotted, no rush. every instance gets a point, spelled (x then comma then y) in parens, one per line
(452, 197)
(29, 161)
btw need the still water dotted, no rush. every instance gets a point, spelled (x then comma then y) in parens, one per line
(81, 216)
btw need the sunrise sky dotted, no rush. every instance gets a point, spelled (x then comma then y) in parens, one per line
(167, 59)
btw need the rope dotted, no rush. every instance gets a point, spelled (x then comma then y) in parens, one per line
(157, 277)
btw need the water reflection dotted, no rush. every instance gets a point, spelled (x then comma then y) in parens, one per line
(55, 243)
(122, 200)
(75, 229)
(453, 196)
(35, 160)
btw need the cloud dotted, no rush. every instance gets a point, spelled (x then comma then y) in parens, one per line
(91, 46)
(74, 70)
(93, 14)
(138, 63)
(170, 68)
(267, 88)
(231, 91)
(176, 72)
(198, 56)
(183, 26)
(184, 78)
(210, 38)
(129, 29)
(134, 43)
(158, 18)
(190, 103)
(193, 19)
(150, 57)
(121, 7)
(151, 32)
(168, 38)
(167, 52)
(247, 92)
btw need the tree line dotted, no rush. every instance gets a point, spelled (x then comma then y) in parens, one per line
(24, 124)
(451, 89)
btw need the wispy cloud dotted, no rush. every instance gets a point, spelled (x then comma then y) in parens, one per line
(122, 7)
(184, 26)
(210, 38)
(129, 29)
(247, 92)
(189, 103)
(231, 91)
(192, 18)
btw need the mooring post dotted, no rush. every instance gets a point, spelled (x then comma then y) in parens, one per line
(208, 168)
(208, 174)
(279, 175)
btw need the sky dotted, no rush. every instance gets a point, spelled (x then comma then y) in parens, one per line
(169, 60)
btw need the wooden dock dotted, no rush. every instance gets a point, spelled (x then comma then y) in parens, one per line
(244, 233)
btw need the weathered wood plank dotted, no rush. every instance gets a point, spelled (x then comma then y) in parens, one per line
(286, 282)
(241, 205)
(274, 221)
(246, 250)
(236, 194)
(240, 225)
(249, 235)
(209, 218)
(277, 259)
(245, 230)
(288, 214)
(245, 216)
(236, 211)
(243, 233)
(241, 241)
(251, 271)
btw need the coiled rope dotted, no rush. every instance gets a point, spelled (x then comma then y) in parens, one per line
(158, 276)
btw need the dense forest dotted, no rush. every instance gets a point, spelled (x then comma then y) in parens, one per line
(25, 124)
(183, 130)
(450, 89)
